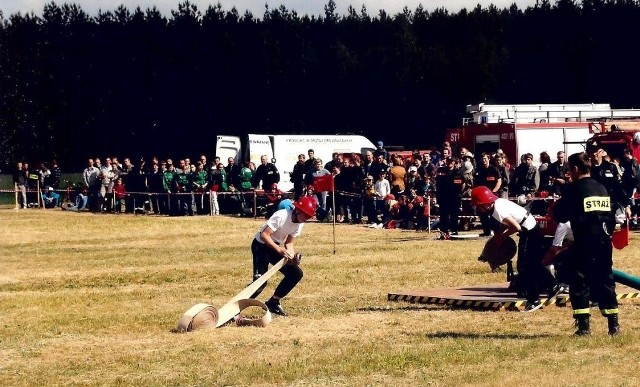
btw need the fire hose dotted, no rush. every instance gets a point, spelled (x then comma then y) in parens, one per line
(206, 316)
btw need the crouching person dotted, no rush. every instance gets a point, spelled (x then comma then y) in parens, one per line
(274, 241)
(50, 198)
(516, 219)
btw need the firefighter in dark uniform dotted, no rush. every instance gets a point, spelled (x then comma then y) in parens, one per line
(267, 173)
(587, 204)
(489, 176)
(450, 184)
(607, 174)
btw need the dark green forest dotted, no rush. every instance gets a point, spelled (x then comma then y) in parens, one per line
(139, 83)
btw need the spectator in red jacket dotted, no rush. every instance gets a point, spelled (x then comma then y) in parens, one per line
(119, 192)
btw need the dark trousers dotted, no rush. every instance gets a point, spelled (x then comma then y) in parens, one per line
(128, 203)
(174, 204)
(530, 269)
(343, 204)
(487, 224)
(592, 276)
(94, 199)
(449, 214)
(186, 203)
(356, 209)
(199, 199)
(262, 256)
(298, 189)
(370, 210)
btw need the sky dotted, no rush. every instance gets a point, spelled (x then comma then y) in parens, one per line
(257, 7)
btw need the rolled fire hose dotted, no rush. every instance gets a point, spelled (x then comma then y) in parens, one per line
(205, 316)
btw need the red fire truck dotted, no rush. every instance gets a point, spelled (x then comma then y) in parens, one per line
(616, 135)
(520, 129)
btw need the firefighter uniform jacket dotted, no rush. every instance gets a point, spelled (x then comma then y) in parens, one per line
(450, 184)
(586, 203)
(268, 174)
(607, 174)
(487, 177)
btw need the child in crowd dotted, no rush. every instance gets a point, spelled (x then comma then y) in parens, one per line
(369, 200)
(119, 193)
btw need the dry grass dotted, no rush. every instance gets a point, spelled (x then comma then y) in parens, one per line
(91, 300)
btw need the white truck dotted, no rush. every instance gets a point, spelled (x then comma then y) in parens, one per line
(283, 150)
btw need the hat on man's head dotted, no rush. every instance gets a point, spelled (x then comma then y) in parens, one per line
(500, 152)
(467, 167)
(380, 144)
(593, 147)
(413, 168)
(50, 188)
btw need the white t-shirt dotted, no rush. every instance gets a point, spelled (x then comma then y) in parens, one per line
(383, 188)
(562, 231)
(282, 226)
(503, 208)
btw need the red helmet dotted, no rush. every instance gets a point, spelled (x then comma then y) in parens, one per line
(307, 204)
(482, 195)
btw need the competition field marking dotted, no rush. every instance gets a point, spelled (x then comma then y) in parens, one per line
(486, 297)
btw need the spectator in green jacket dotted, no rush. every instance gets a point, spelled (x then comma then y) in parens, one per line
(245, 177)
(200, 186)
(182, 182)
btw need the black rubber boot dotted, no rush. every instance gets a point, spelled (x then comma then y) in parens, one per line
(510, 273)
(274, 307)
(582, 322)
(614, 325)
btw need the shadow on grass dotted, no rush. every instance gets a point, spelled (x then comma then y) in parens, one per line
(384, 308)
(410, 239)
(434, 307)
(471, 335)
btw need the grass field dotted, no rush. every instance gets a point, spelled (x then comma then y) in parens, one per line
(92, 300)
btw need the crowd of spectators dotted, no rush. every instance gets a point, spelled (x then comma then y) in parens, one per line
(382, 188)
(30, 182)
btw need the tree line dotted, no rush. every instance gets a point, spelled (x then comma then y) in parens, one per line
(139, 83)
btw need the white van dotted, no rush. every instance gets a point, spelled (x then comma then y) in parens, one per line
(283, 150)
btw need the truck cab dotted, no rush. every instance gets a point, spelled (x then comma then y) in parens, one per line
(616, 136)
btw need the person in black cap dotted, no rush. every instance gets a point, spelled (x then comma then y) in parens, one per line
(381, 151)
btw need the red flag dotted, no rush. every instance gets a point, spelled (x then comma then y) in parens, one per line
(620, 238)
(323, 183)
